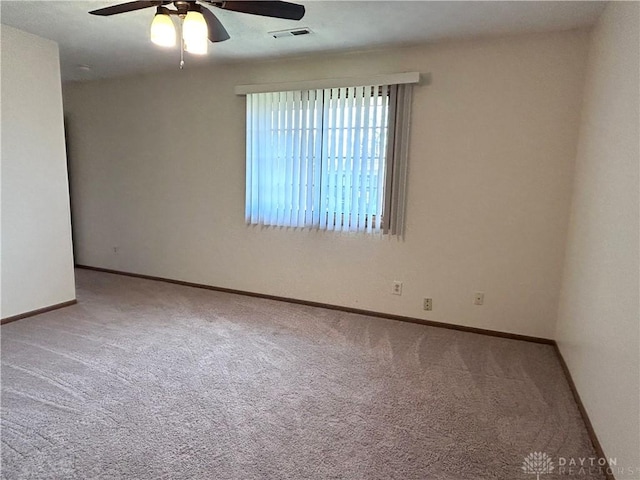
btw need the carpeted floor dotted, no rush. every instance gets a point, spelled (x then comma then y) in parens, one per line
(148, 380)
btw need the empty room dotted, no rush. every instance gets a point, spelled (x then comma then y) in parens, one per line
(320, 240)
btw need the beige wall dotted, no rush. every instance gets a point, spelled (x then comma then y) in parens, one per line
(158, 171)
(37, 261)
(599, 318)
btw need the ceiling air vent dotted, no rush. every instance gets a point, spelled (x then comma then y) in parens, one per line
(295, 32)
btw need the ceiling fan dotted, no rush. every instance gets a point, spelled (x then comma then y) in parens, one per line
(197, 23)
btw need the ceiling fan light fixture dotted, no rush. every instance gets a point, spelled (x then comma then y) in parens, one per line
(197, 24)
(195, 33)
(163, 32)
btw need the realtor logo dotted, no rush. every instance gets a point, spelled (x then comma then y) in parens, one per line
(537, 463)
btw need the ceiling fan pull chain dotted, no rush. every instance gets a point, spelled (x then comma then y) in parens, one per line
(181, 44)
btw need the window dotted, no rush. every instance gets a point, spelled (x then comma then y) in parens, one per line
(328, 158)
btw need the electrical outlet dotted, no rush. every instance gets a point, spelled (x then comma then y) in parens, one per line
(427, 304)
(396, 289)
(116, 250)
(478, 298)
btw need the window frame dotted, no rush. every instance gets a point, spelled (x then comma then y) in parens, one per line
(394, 158)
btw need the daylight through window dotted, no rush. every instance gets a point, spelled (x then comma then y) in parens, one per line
(325, 158)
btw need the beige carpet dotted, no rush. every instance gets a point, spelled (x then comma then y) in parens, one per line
(147, 380)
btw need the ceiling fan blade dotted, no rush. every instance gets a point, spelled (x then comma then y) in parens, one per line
(217, 32)
(126, 7)
(291, 11)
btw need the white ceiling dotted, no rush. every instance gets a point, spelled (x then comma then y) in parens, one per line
(119, 45)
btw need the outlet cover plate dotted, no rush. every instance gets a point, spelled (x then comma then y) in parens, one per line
(478, 298)
(427, 304)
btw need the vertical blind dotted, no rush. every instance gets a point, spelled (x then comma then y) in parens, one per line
(327, 158)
